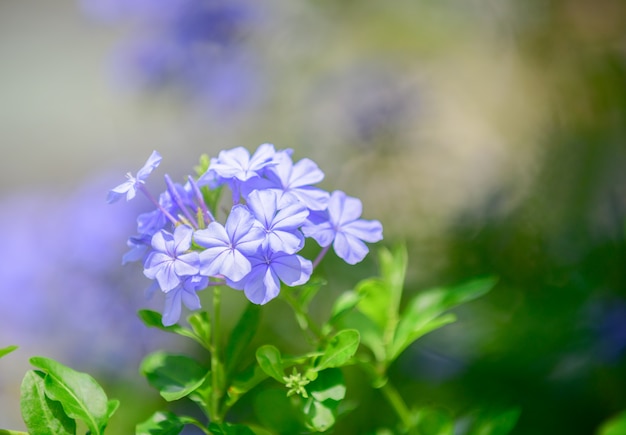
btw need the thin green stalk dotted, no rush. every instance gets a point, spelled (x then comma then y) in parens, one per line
(397, 403)
(216, 363)
(312, 327)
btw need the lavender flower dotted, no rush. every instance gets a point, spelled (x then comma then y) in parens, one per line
(275, 205)
(170, 261)
(269, 268)
(227, 248)
(341, 225)
(129, 188)
(280, 220)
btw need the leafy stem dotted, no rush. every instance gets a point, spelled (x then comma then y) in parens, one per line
(308, 324)
(216, 363)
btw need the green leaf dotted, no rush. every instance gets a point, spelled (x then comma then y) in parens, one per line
(380, 297)
(201, 326)
(346, 302)
(80, 395)
(433, 421)
(242, 335)
(325, 392)
(152, 319)
(498, 422)
(370, 334)
(230, 429)
(112, 406)
(12, 432)
(615, 426)
(339, 349)
(422, 313)
(164, 423)
(276, 412)
(175, 376)
(270, 361)
(244, 382)
(7, 350)
(42, 415)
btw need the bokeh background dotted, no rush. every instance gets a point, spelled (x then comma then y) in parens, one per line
(490, 136)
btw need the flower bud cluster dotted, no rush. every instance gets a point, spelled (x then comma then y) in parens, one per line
(275, 206)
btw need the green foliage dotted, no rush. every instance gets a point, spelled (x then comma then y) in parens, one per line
(53, 398)
(200, 323)
(175, 376)
(615, 426)
(372, 308)
(7, 350)
(164, 423)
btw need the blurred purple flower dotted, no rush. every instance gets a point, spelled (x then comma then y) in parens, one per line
(62, 284)
(194, 45)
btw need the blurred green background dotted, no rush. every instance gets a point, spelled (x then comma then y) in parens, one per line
(488, 135)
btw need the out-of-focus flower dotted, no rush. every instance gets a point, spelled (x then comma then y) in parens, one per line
(197, 46)
(62, 286)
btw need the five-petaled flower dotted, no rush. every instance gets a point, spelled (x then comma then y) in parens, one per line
(171, 259)
(129, 188)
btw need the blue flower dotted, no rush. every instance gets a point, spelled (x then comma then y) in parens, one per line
(295, 181)
(227, 248)
(184, 293)
(269, 268)
(341, 225)
(281, 222)
(170, 261)
(129, 188)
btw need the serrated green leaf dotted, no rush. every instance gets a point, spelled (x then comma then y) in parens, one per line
(421, 315)
(500, 422)
(615, 426)
(7, 350)
(152, 319)
(175, 376)
(42, 415)
(339, 350)
(201, 326)
(240, 338)
(270, 361)
(80, 394)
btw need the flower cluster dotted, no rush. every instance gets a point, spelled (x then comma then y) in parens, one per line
(275, 206)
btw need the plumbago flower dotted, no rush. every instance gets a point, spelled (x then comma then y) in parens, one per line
(275, 206)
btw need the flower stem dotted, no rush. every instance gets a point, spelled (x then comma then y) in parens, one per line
(216, 363)
(397, 403)
(320, 256)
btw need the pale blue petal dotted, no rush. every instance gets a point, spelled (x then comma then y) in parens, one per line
(212, 236)
(290, 217)
(154, 262)
(343, 208)
(312, 197)
(288, 242)
(264, 287)
(191, 299)
(150, 165)
(172, 309)
(292, 269)
(262, 204)
(323, 233)
(234, 265)
(187, 264)
(162, 241)
(211, 260)
(349, 248)
(305, 173)
(238, 223)
(167, 277)
(368, 231)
